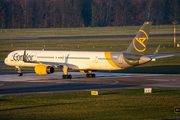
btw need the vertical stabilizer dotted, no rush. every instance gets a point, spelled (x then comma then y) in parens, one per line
(138, 45)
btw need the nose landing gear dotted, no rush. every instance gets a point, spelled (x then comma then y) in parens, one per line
(19, 71)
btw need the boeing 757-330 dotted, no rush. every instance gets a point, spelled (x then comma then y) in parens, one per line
(45, 62)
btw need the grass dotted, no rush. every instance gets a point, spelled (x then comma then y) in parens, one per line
(114, 104)
(39, 32)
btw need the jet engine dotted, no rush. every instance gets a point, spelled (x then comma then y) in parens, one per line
(43, 69)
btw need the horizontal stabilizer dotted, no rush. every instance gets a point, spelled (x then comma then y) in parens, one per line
(165, 55)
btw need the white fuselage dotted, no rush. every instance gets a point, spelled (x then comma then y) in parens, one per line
(83, 60)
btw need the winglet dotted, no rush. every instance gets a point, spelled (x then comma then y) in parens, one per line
(156, 51)
(153, 58)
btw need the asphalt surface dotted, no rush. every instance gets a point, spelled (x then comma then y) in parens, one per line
(2, 64)
(31, 83)
(77, 37)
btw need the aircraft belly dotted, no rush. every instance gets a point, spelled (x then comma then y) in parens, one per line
(100, 65)
(81, 65)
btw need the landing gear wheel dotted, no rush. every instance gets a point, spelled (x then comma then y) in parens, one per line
(93, 75)
(90, 75)
(87, 75)
(63, 76)
(20, 74)
(19, 71)
(69, 76)
(66, 76)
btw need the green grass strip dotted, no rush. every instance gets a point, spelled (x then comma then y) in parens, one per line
(114, 104)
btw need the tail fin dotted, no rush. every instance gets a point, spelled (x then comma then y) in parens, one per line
(138, 45)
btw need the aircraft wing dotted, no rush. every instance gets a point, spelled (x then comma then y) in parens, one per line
(60, 65)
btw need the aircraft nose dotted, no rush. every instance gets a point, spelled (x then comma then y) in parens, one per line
(144, 59)
(6, 61)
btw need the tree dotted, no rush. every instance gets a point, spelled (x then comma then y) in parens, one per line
(2, 14)
(174, 9)
(95, 17)
(78, 13)
(87, 12)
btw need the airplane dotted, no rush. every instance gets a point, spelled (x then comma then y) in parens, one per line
(45, 62)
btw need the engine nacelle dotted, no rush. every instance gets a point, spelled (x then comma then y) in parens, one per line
(43, 69)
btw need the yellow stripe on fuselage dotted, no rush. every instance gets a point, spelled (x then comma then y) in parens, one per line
(109, 59)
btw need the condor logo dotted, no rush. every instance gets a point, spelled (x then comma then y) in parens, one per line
(17, 57)
(140, 41)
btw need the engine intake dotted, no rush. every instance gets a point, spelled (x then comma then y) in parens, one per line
(43, 69)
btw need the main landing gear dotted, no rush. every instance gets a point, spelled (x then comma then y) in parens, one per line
(66, 76)
(19, 71)
(90, 74)
(65, 70)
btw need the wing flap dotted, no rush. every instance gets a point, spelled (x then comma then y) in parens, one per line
(60, 65)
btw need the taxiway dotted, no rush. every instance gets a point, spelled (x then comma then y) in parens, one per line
(31, 83)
